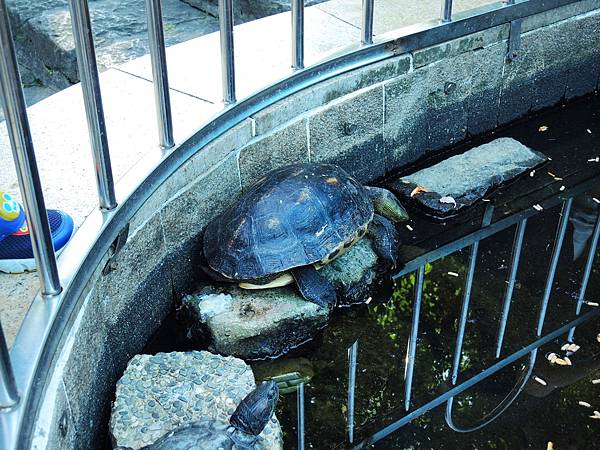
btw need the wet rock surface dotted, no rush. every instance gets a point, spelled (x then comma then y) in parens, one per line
(253, 324)
(256, 324)
(168, 390)
(462, 180)
(355, 274)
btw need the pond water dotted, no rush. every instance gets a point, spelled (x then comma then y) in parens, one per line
(358, 368)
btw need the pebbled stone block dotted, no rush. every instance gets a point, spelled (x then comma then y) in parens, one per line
(349, 132)
(162, 392)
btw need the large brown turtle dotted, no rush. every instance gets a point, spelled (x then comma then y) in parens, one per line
(295, 220)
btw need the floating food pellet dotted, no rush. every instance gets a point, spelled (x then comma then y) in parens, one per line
(539, 380)
(596, 200)
(588, 130)
(453, 274)
(561, 362)
(596, 381)
(565, 347)
(598, 337)
(448, 199)
(550, 446)
(573, 348)
(586, 404)
(567, 360)
(537, 207)
(596, 415)
(596, 159)
(552, 357)
(562, 188)
(543, 128)
(369, 300)
(409, 227)
(532, 173)
(551, 174)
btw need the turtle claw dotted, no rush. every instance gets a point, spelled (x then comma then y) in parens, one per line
(385, 240)
(314, 287)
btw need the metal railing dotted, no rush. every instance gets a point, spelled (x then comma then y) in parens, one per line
(59, 292)
(417, 266)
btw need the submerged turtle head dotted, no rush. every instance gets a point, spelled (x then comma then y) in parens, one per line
(256, 409)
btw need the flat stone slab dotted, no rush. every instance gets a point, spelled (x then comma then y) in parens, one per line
(462, 180)
(254, 324)
(159, 393)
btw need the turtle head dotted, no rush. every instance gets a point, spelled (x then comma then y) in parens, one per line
(387, 204)
(255, 410)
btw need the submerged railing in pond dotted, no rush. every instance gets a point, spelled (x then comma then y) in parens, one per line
(471, 242)
(14, 391)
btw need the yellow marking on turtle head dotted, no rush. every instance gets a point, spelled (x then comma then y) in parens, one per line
(332, 181)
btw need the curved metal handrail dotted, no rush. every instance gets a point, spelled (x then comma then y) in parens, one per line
(501, 407)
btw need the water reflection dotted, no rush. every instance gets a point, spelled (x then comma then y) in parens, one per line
(438, 340)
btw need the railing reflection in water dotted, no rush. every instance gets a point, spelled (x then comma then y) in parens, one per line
(529, 350)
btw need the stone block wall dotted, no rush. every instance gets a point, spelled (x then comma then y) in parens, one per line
(369, 121)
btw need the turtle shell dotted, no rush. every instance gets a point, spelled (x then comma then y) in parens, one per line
(205, 435)
(197, 436)
(294, 216)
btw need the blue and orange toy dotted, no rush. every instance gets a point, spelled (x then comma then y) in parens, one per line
(16, 253)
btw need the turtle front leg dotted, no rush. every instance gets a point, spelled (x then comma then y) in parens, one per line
(385, 239)
(386, 204)
(313, 286)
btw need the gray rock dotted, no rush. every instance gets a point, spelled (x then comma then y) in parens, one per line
(254, 324)
(162, 392)
(44, 39)
(267, 323)
(467, 177)
(355, 274)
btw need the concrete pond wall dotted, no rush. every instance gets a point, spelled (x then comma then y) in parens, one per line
(368, 121)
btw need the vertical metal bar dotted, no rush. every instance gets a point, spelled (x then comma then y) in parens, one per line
(446, 14)
(298, 34)
(586, 273)
(412, 342)
(19, 133)
(514, 266)
(352, 354)
(464, 312)
(300, 411)
(366, 36)
(9, 395)
(90, 85)
(158, 58)
(487, 219)
(560, 235)
(227, 58)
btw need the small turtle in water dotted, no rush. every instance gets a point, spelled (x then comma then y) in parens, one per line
(295, 220)
(246, 423)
